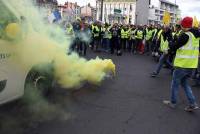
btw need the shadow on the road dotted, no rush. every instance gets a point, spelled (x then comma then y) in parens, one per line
(23, 115)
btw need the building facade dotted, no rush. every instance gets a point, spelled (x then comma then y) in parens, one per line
(70, 11)
(89, 13)
(157, 9)
(142, 10)
(117, 11)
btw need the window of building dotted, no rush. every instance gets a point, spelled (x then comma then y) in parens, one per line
(156, 11)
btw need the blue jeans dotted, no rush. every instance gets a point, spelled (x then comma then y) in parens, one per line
(163, 60)
(180, 77)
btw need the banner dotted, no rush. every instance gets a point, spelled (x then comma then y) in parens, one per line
(195, 22)
(166, 18)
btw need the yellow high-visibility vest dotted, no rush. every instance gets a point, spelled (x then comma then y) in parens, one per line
(123, 34)
(187, 56)
(97, 29)
(139, 34)
(149, 34)
(164, 45)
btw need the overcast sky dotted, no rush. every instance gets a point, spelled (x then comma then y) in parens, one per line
(188, 7)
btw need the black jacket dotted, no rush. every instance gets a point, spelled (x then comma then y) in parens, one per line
(183, 39)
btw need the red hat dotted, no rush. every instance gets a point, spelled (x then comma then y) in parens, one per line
(187, 22)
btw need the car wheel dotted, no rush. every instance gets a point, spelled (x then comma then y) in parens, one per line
(41, 82)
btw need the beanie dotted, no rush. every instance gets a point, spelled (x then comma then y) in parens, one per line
(187, 22)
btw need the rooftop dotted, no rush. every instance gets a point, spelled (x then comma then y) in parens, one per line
(118, 0)
(171, 3)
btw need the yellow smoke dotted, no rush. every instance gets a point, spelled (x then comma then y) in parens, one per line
(42, 43)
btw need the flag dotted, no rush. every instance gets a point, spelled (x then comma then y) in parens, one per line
(51, 18)
(166, 18)
(195, 22)
(54, 16)
(57, 15)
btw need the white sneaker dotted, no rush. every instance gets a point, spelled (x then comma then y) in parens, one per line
(168, 103)
(191, 108)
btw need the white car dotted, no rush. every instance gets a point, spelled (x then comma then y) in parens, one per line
(13, 79)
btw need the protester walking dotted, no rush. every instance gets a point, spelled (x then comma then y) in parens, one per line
(186, 60)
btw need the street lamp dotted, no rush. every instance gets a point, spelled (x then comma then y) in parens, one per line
(101, 10)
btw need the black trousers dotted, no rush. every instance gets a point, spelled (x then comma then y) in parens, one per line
(97, 43)
(123, 44)
(131, 44)
(75, 45)
(82, 49)
(115, 44)
(148, 46)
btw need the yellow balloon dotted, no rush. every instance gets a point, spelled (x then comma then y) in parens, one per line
(13, 30)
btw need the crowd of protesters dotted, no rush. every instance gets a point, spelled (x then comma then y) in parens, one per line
(113, 39)
(172, 47)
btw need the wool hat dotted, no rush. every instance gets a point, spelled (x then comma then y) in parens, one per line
(187, 22)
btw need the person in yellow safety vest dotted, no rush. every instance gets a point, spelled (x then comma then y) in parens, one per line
(115, 41)
(177, 33)
(85, 36)
(128, 45)
(175, 36)
(124, 37)
(70, 31)
(159, 34)
(165, 39)
(96, 36)
(155, 44)
(155, 30)
(107, 37)
(131, 41)
(149, 35)
(186, 60)
(95, 31)
(173, 31)
(139, 35)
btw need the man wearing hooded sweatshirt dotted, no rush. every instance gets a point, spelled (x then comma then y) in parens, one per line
(186, 60)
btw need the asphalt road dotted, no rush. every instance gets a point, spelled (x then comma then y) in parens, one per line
(131, 103)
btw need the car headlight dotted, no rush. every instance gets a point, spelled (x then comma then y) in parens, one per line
(13, 30)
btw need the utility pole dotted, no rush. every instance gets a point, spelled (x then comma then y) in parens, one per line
(176, 12)
(101, 17)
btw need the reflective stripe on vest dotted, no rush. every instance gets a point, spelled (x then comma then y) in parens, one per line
(178, 34)
(173, 34)
(159, 33)
(187, 56)
(164, 45)
(155, 32)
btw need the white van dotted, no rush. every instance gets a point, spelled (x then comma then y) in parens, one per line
(13, 79)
